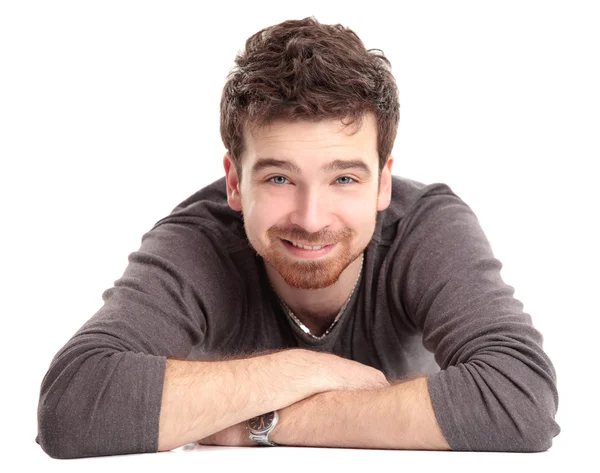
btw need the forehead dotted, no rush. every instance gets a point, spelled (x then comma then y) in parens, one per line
(301, 139)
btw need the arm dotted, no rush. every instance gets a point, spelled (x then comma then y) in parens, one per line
(201, 398)
(121, 381)
(496, 390)
(397, 417)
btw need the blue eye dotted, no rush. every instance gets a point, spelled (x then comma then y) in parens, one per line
(276, 177)
(271, 179)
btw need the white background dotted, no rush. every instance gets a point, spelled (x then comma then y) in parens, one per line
(109, 117)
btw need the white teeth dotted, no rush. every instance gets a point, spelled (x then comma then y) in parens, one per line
(305, 247)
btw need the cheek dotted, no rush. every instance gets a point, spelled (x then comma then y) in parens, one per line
(356, 211)
(262, 212)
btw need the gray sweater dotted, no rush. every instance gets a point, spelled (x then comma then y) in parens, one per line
(430, 301)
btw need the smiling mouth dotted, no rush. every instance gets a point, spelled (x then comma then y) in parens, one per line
(306, 247)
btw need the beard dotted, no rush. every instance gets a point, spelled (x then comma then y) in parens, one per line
(308, 274)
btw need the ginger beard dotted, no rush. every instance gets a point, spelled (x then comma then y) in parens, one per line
(308, 273)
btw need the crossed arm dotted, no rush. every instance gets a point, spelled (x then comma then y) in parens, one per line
(399, 416)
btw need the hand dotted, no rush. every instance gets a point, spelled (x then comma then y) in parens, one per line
(351, 375)
(328, 372)
(234, 436)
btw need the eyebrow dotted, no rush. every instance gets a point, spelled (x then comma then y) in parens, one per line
(335, 165)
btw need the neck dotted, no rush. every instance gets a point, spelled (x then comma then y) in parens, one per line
(317, 308)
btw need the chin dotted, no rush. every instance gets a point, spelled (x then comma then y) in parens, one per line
(310, 274)
(306, 280)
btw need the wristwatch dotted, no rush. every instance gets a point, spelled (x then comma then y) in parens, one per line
(261, 426)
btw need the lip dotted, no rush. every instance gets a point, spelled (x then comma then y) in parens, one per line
(307, 254)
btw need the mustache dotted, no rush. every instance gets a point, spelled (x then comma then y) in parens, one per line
(295, 234)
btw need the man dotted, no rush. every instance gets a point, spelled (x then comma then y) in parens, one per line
(309, 297)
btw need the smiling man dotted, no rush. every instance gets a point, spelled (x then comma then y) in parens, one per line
(311, 211)
(309, 297)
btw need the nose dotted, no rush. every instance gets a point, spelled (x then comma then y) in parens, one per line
(312, 210)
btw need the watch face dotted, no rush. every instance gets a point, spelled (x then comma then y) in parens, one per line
(262, 422)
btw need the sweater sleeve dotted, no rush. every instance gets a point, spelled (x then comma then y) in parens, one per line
(496, 390)
(103, 390)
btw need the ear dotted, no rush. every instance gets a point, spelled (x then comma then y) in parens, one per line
(233, 184)
(384, 196)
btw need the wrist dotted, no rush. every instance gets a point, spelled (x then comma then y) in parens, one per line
(244, 435)
(289, 425)
(277, 435)
(260, 428)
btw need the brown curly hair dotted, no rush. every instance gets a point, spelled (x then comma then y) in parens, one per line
(306, 70)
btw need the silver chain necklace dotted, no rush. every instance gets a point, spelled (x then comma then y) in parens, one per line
(304, 328)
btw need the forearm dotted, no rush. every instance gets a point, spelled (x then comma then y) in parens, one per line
(201, 398)
(397, 417)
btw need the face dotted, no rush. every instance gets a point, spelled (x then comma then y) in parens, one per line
(314, 184)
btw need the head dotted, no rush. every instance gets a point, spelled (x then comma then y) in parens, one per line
(309, 118)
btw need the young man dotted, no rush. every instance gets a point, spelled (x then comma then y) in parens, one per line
(309, 297)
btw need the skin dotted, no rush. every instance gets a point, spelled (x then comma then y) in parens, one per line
(309, 206)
